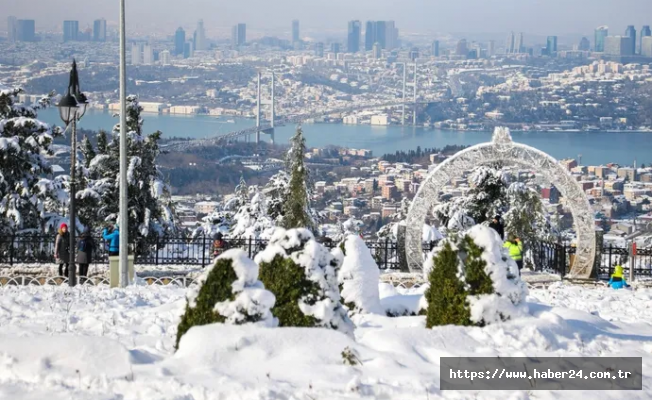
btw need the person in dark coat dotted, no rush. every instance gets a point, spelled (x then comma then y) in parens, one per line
(62, 249)
(85, 252)
(497, 225)
(219, 245)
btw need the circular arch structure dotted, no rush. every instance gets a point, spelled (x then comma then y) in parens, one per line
(503, 149)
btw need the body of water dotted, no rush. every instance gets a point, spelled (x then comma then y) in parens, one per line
(596, 147)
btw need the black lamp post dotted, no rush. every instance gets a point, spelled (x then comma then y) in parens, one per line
(72, 108)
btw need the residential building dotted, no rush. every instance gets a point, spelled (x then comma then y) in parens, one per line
(295, 31)
(377, 51)
(353, 38)
(179, 40)
(601, 34)
(389, 191)
(99, 30)
(165, 57)
(70, 31)
(239, 35)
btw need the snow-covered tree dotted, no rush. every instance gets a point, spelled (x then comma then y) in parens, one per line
(251, 220)
(228, 292)
(151, 213)
(487, 195)
(296, 208)
(277, 192)
(30, 200)
(472, 281)
(242, 192)
(302, 274)
(359, 277)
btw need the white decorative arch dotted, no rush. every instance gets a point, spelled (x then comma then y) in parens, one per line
(503, 149)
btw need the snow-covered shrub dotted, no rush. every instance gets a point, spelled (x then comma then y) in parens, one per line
(302, 274)
(472, 281)
(228, 292)
(359, 277)
(252, 220)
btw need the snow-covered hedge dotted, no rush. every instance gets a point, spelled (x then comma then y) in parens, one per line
(472, 281)
(359, 277)
(228, 292)
(302, 274)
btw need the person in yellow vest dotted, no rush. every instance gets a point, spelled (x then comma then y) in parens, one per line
(515, 248)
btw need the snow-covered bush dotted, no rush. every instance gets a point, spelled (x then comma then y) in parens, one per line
(472, 281)
(359, 277)
(302, 274)
(252, 220)
(228, 292)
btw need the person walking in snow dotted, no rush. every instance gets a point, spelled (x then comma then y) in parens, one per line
(497, 225)
(515, 248)
(62, 249)
(617, 280)
(85, 251)
(112, 235)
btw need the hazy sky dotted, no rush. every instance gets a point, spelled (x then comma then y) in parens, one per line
(542, 17)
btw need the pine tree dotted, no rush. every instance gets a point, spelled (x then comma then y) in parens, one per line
(242, 192)
(296, 207)
(30, 199)
(102, 142)
(277, 189)
(488, 195)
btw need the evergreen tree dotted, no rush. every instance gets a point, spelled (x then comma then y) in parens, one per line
(296, 212)
(242, 192)
(277, 190)
(487, 196)
(102, 142)
(30, 199)
(251, 220)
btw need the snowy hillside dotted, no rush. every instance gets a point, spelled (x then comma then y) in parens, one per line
(96, 343)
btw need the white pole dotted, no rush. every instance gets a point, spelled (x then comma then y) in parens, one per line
(403, 107)
(124, 217)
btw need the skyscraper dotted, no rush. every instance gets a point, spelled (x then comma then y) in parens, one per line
(377, 50)
(369, 35)
(319, 49)
(99, 30)
(295, 31)
(519, 44)
(239, 35)
(645, 32)
(148, 54)
(584, 45)
(12, 29)
(618, 46)
(200, 36)
(462, 49)
(179, 40)
(26, 30)
(601, 33)
(646, 46)
(188, 50)
(353, 39)
(136, 53)
(631, 33)
(435, 48)
(70, 31)
(391, 35)
(551, 46)
(491, 48)
(509, 46)
(335, 48)
(165, 57)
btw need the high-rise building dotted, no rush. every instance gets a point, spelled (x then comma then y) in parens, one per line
(462, 49)
(99, 30)
(239, 35)
(188, 50)
(510, 45)
(165, 57)
(391, 35)
(26, 30)
(383, 32)
(12, 29)
(377, 50)
(519, 44)
(179, 40)
(335, 48)
(148, 54)
(353, 38)
(369, 35)
(646, 46)
(584, 45)
(70, 31)
(551, 46)
(414, 53)
(296, 37)
(631, 33)
(491, 48)
(601, 34)
(435, 48)
(136, 53)
(645, 32)
(319, 49)
(200, 36)
(618, 46)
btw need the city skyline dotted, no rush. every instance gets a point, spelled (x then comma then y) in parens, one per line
(415, 18)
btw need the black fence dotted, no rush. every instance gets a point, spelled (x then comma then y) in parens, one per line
(389, 255)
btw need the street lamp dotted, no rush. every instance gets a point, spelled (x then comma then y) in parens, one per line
(72, 108)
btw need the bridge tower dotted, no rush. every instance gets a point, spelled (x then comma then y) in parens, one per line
(259, 103)
(414, 114)
(258, 99)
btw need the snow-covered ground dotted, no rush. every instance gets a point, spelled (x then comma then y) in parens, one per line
(98, 343)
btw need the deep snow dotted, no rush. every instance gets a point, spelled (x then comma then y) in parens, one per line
(98, 343)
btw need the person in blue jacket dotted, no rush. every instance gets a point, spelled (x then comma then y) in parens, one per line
(617, 280)
(112, 235)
